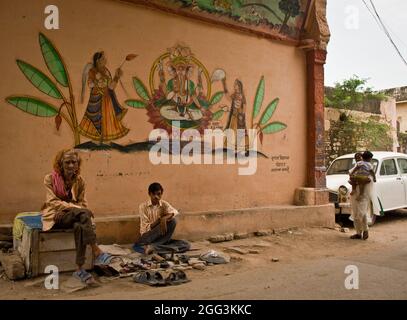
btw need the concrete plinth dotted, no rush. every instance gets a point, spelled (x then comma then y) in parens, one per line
(202, 225)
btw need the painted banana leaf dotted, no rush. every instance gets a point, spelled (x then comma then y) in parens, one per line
(33, 106)
(273, 127)
(216, 98)
(258, 100)
(141, 89)
(53, 61)
(39, 79)
(136, 103)
(268, 113)
(217, 115)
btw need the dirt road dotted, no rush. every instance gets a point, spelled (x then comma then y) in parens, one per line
(311, 265)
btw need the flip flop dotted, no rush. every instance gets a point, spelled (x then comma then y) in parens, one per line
(84, 276)
(103, 259)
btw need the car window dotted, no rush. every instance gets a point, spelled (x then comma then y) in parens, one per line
(388, 168)
(402, 165)
(342, 166)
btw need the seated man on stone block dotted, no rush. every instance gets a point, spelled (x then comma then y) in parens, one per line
(66, 208)
(157, 221)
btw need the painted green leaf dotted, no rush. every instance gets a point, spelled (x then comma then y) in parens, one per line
(39, 79)
(258, 100)
(141, 89)
(274, 127)
(33, 106)
(265, 117)
(53, 61)
(216, 98)
(217, 115)
(136, 103)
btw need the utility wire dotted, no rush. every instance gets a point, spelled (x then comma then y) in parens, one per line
(379, 21)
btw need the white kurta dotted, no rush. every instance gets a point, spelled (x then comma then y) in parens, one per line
(362, 208)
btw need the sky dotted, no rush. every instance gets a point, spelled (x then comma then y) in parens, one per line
(359, 47)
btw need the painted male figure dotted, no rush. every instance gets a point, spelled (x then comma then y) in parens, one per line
(157, 220)
(65, 207)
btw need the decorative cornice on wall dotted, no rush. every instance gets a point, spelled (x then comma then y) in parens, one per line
(232, 25)
(316, 28)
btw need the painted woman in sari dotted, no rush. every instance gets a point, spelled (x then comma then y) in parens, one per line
(101, 121)
(237, 113)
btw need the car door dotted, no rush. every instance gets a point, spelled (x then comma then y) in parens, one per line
(390, 185)
(402, 163)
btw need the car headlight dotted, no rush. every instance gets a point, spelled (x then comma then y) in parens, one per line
(343, 190)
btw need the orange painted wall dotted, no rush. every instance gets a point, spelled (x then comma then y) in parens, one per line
(117, 182)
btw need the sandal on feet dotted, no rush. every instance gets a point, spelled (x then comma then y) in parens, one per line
(365, 235)
(84, 276)
(356, 236)
(103, 259)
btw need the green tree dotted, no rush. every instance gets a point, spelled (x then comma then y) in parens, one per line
(350, 92)
(291, 8)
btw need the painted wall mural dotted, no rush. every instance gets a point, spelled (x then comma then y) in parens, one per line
(179, 93)
(282, 19)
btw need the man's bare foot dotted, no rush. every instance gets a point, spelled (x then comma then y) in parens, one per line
(148, 249)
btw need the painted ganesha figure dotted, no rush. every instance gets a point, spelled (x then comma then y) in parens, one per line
(181, 92)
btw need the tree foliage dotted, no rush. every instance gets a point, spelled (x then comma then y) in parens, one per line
(351, 92)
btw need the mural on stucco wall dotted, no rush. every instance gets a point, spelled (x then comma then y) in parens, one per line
(179, 92)
(280, 18)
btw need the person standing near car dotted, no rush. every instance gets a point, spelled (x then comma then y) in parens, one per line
(362, 201)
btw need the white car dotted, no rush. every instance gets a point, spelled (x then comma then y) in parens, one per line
(391, 185)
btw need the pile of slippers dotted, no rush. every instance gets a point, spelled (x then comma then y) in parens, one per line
(155, 278)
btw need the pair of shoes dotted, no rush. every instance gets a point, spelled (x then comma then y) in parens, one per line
(365, 235)
(356, 236)
(84, 276)
(150, 278)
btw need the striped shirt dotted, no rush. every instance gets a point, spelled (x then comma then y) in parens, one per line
(150, 213)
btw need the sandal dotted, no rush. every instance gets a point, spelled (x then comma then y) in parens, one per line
(103, 259)
(84, 276)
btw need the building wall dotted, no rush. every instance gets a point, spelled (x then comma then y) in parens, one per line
(402, 115)
(117, 182)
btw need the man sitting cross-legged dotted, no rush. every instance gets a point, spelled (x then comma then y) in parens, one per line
(66, 208)
(157, 220)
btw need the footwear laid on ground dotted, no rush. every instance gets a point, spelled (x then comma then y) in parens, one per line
(356, 236)
(365, 235)
(84, 276)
